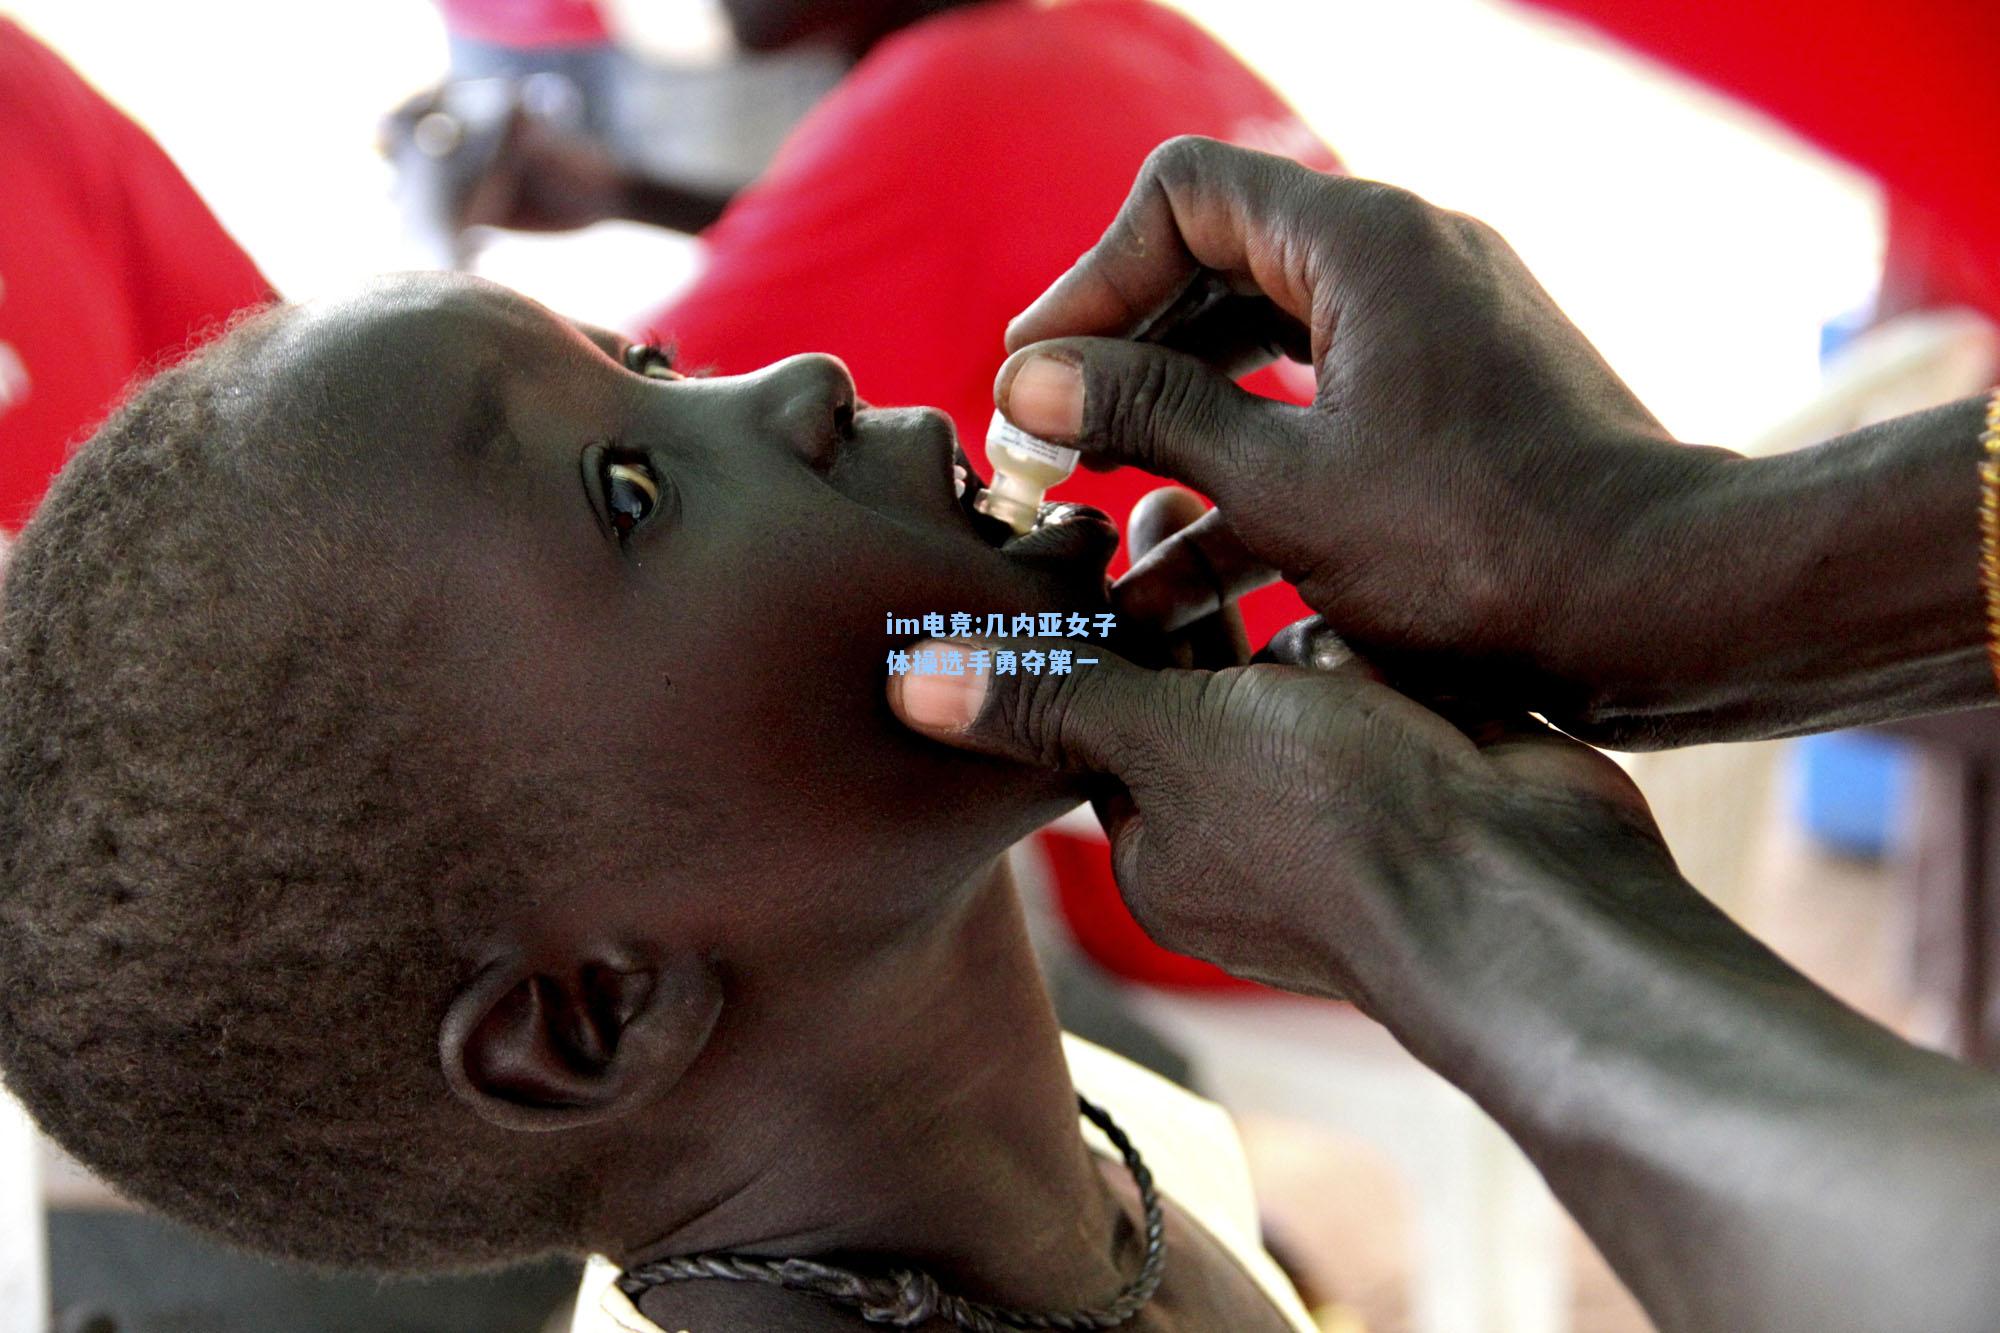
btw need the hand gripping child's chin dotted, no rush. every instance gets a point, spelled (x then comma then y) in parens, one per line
(450, 815)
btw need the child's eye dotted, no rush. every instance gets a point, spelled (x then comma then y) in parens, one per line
(651, 360)
(631, 494)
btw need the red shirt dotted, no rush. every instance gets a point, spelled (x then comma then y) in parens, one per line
(109, 264)
(963, 165)
(527, 23)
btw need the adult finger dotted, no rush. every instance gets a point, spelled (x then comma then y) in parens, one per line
(1241, 335)
(1158, 515)
(1236, 332)
(1189, 575)
(1124, 829)
(1211, 641)
(1172, 414)
(1311, 642)
(1196, 204)
(1102, 716)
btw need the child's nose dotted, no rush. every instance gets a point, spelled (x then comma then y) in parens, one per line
(810, 402)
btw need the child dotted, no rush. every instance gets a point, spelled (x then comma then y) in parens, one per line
(450, 815)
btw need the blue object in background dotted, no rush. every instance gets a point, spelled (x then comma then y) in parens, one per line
(1842, 329)
(1851, 788)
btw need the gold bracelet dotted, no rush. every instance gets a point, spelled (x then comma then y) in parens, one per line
(1989, 529)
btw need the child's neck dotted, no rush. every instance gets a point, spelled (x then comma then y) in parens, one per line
(922, 1118)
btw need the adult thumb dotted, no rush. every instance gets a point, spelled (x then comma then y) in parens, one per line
(1118, 401)
(1100, 715)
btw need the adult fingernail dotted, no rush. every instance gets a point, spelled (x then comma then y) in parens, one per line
(937, 702)
(1046, 398)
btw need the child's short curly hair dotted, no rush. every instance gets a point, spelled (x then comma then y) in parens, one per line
(237, 865)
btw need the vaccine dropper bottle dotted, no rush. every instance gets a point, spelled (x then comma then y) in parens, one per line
(1024, 468)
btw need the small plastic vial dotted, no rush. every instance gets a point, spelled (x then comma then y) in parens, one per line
(1024, 468)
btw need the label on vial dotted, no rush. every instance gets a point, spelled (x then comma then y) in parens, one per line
(1005, 432)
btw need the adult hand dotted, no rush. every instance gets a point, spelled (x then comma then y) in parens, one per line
(1472, 496)
(1274, 819)
(545, 178)
(1501, 901)
(1499, 898)
(1214, 640)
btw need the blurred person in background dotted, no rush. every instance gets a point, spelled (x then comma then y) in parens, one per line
(110, 265)
(518, 38)
(559, 113)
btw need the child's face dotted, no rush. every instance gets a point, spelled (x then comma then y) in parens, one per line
(714, 677)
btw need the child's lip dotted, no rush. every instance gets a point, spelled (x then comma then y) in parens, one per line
(1065, 532)
(967, 485)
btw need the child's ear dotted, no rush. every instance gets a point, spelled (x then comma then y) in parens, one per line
(533, 1047)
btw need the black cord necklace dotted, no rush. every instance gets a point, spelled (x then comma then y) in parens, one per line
(907, 1299)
